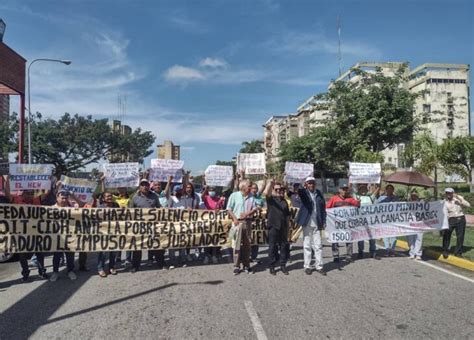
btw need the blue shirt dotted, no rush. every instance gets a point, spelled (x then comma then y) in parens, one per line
(240, 204)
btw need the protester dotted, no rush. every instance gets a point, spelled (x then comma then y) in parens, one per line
(260, 202)
(415, 241)
(241, 207)
(278, 214)
(63, 200)
(122, 199)
(27, 197)
(456, 220)
(294, 197)
(389, 242)
(108, 203)
(366, 198)
(342, 199)
(145, 198)
(312, 217)
(212, 201)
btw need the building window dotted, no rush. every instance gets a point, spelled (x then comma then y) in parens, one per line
(426, 108)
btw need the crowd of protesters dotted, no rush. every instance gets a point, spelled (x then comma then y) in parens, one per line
(242, 202)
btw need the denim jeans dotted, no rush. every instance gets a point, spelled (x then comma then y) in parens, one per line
(254, 252)
(372, 247)
(102, 257)
(25, 271)
(69, 261)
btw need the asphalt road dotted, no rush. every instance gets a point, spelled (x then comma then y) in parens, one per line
(391, 298)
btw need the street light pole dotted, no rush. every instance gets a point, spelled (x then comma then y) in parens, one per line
(65, 62)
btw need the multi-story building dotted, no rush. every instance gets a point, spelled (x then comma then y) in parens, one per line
(277, 131)
(168, 150)
(116, 125)
(445, 99)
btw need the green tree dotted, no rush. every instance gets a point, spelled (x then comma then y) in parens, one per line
(426, 154)
(9, 135)
(457, 156)
(376, 112)
(253, 146)
(73, 142)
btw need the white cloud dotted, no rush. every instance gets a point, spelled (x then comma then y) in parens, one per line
(178, 73)
(185, 23)
(212, 62)
(303, 43)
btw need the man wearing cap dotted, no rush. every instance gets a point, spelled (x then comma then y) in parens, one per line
(456, 220)
(342, 199)
(312, 217)
(145, 198)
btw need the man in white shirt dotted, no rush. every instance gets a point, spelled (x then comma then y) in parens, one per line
(456, 220)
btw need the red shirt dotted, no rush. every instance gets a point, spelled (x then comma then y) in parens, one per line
(213, 203)
(338, 201)
(16, 199)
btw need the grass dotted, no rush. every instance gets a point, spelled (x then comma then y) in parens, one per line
(434, 241)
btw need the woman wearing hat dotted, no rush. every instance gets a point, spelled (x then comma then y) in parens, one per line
(456, 220)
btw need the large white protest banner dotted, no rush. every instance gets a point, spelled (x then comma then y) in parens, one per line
(30, 176)
(161, 169)
(365, 172)
(251, 163)
(121, 175)
(298, 172)
(80, 187)
(219, 175)
(347, 224)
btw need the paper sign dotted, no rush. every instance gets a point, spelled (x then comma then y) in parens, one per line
(30, 176)
(298, 172)
(119, 175)
(219, 175)
(251, 163)
(81, 188)
(161, 169)
(364, 172)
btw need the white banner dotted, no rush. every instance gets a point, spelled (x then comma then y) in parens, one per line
(81, 188)
(298, 172)
(119, 175)
(30, 176)
(348, 224)
(251, 163)
(161, 169)
(364, 172)
(219, 175)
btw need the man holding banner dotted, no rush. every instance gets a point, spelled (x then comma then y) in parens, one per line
(312, 217)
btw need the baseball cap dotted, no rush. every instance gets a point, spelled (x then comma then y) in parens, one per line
(63, 193)
(144, 181)
(310, 179)
(177, 188)
(450, 190)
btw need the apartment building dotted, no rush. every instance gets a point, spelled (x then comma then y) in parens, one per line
(168, 150)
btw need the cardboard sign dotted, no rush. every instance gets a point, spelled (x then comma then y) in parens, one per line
(251, 163)
(298, 172)
(81, 188)
(219, 175)
(365, 172)
(121, 175)
(30, 176)
(161, 169)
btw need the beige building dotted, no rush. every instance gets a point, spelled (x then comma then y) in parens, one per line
(168, 150)
(116, 125)
(446, 99)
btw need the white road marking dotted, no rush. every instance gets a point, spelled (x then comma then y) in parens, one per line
(436, 267)
(257, 325)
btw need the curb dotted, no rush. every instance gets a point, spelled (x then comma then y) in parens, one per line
(452, 260)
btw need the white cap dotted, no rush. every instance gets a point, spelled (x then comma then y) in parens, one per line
(310, 178)
(449, 190)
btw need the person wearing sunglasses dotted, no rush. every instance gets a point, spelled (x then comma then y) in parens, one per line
(278, 214)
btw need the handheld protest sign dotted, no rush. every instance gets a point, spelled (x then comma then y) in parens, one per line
(251, 163)
(30, 176)
(117, 175)
(162, 169)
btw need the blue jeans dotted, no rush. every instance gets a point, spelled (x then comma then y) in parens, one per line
(254, 252)
(102, 257)
(69, 261)
(372, 247)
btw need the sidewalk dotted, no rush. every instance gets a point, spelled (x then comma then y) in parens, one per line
(452, 260)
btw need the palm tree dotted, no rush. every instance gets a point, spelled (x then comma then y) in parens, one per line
(253, 146)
